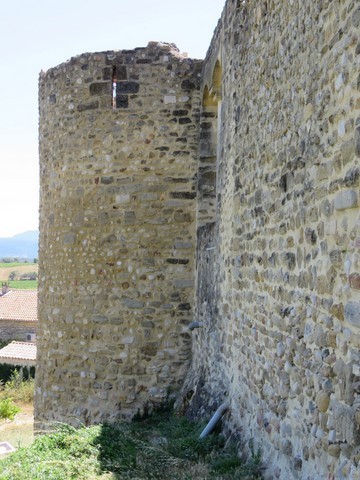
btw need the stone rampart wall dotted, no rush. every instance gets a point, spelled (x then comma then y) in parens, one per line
(269, 168)
(118, 147)
(281, 303)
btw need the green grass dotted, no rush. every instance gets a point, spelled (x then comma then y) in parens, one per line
(162, 446)
(23, 284)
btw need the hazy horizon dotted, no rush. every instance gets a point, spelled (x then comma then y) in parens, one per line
(20, 233)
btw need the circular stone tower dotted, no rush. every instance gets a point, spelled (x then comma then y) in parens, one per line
(118, 143)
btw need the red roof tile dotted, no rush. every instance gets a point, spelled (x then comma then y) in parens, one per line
(18, 351)
(19, 305)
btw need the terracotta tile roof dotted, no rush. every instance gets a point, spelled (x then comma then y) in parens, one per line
(19, 305)
(18, 351)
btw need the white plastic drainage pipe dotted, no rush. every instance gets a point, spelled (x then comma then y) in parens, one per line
(214, 420)
(194, 325)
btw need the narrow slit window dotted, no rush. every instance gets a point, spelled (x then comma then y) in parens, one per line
(114, 81)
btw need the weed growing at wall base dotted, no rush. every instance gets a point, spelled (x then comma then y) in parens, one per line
(160, 447)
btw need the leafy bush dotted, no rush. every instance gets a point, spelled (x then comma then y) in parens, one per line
(7, 370)
(15, 380)
(18, 389)
(8, 409)
(12, 275)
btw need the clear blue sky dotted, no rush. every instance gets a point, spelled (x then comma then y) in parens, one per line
(39, 34)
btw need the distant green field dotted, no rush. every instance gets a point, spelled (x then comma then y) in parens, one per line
(15, 264)
(24, 284)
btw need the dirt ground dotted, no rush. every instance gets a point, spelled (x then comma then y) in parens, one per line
(20, 431)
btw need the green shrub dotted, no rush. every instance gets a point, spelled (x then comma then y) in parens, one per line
(7, 370)
(8, 409)
(18, 389)
(15, 380)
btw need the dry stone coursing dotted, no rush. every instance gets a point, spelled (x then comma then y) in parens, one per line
(281, 303)
(275, 151)
(17, 330)
(118, 146)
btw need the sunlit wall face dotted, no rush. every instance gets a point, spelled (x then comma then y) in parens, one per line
(118, 162)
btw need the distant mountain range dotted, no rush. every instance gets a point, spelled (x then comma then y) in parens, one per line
(23, 245)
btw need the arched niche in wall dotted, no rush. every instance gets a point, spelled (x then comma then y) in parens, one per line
(216, 82)
(209, 143)
(207, 231)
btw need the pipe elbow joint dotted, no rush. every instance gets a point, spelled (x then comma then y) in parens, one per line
(214, 420)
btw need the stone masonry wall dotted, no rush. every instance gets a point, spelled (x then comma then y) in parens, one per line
(270, 170)
(118, 146)
(281, 308)
(16, 330)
